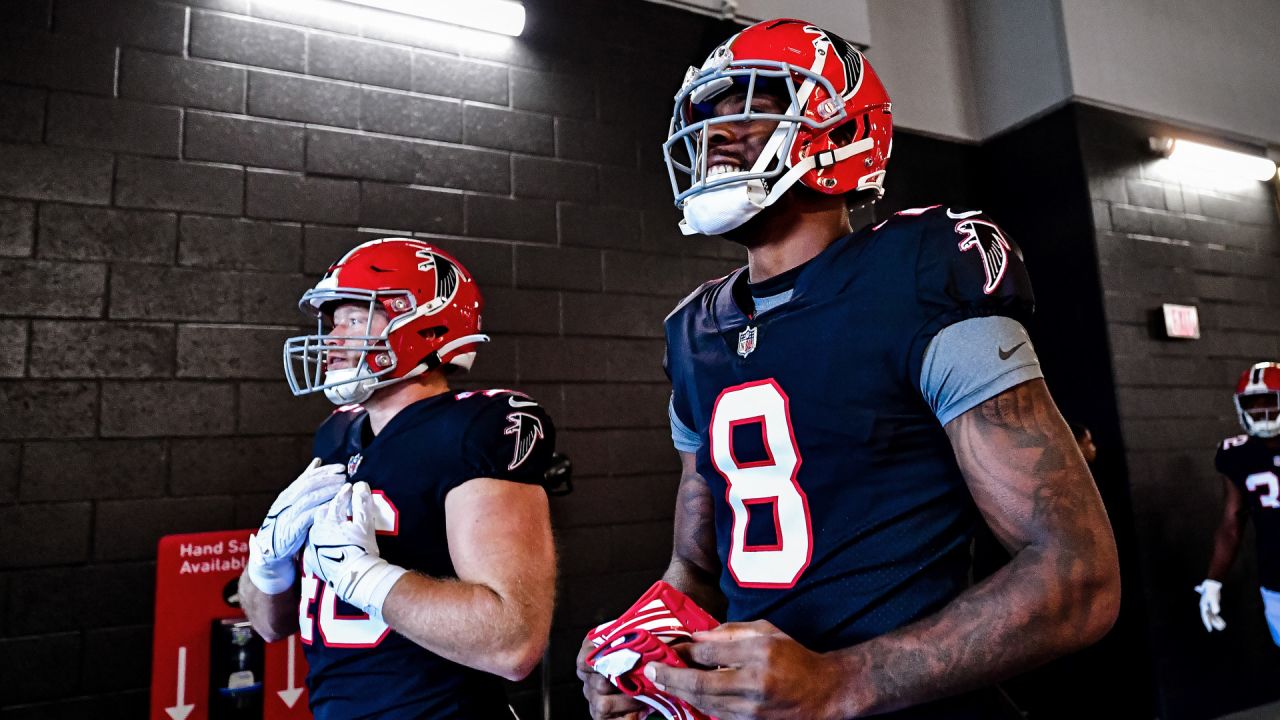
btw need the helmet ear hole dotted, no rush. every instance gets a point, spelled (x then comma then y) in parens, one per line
(433, 332)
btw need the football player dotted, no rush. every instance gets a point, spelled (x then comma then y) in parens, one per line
(847, 407)
(1250, 464)
(429, 568)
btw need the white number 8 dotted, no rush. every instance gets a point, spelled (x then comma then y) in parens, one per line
(769, 481)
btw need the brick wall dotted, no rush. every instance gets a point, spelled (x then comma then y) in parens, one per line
(1161, 237)
(173, 174)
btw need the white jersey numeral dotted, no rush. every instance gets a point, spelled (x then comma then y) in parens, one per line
(1268, 480)
(768, 484)
(336, 630)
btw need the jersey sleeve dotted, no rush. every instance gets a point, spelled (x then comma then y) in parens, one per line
(682, 436)
(679, 412)
(1225, 459)
(972, 361)
(508, 441)
(967, 267)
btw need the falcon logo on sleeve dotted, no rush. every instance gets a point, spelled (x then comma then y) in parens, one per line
(992, 246)
(528, 430)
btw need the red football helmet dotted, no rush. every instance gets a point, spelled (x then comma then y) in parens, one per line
(829, 85)
(1258, 400)
(433, 309)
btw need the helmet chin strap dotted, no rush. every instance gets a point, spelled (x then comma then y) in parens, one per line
(724, 208)
(356, 385)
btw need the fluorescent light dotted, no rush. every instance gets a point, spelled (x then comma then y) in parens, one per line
(505, 17)
(1197, 156)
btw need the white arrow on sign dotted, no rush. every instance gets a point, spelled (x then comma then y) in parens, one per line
(180, 710)
(290, 694)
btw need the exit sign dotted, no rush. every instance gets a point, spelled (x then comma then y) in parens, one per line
(1181, 321)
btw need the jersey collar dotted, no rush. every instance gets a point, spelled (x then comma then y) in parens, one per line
(814, 282)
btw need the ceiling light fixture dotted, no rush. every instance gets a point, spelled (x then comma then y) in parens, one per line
(1198, 156)
(505, 17)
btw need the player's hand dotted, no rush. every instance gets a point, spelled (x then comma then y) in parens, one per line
(284, 530)
(605, 700)
(1211, 605)
(761, 673)
(343, 550)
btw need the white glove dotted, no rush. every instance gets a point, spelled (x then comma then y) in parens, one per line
(1211, 605)
(284, 530)
(344, 552)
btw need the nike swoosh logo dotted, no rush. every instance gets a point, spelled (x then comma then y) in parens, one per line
(340, 559)
(1006, 354)
(963, 215)
(520, 403)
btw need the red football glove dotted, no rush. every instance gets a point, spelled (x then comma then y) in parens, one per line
(642, 635)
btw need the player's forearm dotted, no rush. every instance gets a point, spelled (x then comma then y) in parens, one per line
(1060, 592)
(695, 566)
(1226, 543)
(274, 617)
(1043, 604)
(700, 585)
(472, 624)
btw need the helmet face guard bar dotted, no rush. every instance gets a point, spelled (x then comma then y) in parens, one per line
(1268, 425)
(692, 137)
(304, 355)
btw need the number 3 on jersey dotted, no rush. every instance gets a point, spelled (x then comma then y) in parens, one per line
(339, 630)
(764, 484)
(1268, 480)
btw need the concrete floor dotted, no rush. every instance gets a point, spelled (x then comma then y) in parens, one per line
(1262, 712)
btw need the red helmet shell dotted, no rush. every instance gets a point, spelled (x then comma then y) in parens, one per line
(428, 296)
(858, 90)
(1262, 377)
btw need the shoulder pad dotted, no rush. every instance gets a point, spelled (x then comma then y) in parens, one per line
(516, 398)
(334, 432)
(702, 289)
(1233, 442)
(967, 261)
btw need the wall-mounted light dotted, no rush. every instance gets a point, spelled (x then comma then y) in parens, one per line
(1220, 161)
(505, 17)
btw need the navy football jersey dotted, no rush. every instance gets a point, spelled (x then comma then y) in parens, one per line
(840, 512)
(358, 667)
(1253, 465)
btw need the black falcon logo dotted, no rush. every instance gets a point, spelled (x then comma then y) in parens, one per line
(993, 247)
(527, 429)
(852, 60)
(447, 275)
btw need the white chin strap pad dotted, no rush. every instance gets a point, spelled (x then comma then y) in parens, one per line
(719, 210)
(354, 385)
(722, 209)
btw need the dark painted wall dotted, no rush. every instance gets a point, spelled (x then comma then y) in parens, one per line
(174, 174)
(1164, 237)
(1034, 185)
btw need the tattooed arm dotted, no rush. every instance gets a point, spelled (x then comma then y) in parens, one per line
(695, 567)
(1060, 592)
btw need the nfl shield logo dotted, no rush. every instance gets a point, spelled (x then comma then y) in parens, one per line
(747, 341)
(353, 464)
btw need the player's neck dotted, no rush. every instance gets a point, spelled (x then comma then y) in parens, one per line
(387, 402)
(793, 232)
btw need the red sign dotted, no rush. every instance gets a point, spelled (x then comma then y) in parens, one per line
(195, 587)
(1181, 321)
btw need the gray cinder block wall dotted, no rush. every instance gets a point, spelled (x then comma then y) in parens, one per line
(174, 174)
